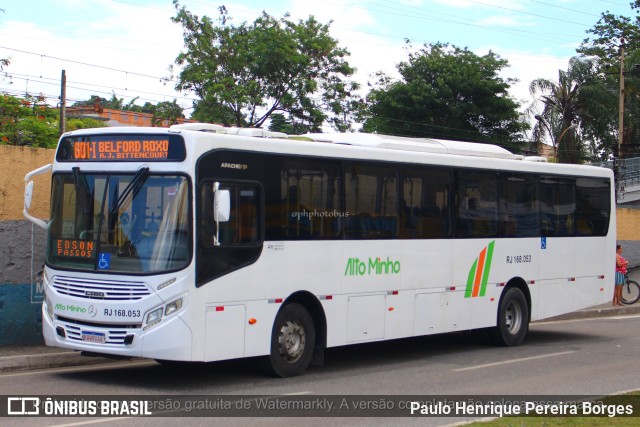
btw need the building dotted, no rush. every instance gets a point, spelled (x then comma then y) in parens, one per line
(121, 117)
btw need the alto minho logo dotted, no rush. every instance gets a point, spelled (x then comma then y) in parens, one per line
(357, 267)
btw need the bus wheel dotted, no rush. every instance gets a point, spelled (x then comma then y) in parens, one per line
(513, 319)
(292, 341)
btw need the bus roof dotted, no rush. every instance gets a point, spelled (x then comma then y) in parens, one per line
(415, 144)
(389, 142)
(368, 140)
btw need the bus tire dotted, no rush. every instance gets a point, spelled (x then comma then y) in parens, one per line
(513, 319)
(292, 342)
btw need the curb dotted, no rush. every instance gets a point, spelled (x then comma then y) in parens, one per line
(61, 359)
(605, 310)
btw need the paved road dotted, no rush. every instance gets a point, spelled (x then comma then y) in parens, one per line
(576, 357)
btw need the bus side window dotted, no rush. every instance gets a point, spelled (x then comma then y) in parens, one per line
(477, 204)
(372, 201)
(243, 227)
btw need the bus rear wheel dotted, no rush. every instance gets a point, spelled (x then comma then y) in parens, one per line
(292, 341)
(513, 319)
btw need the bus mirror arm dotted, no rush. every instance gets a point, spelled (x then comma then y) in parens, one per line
(28, 194)
(221, 209)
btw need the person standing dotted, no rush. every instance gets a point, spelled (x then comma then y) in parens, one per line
(621, 271)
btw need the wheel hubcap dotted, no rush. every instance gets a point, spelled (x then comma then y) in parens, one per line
(513, 318)
(292, 341)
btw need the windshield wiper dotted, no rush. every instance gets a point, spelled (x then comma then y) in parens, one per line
(132, 188)
(82, 189)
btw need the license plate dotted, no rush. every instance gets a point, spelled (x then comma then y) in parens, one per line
(94, 337)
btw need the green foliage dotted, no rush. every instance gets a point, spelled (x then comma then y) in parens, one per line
(168, 112)
(83, 123)
(449, 93)
(30, 121)
(245, 73)
(37, 132)
(607, 37)
(582, 97)
(27, 121)
(279, 123)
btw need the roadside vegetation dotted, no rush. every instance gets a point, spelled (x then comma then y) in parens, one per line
(551, 421)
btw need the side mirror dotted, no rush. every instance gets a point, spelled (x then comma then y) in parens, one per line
(221, 209)
(28, 194)
(221, 205)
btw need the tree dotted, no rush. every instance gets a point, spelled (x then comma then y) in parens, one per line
(608, 35)
(114, 103)
(245, 73)
(279, 123)
(30, 121)
(27, 121)
(76, 123)
(449, 93)
(581, 98)
(166, 111)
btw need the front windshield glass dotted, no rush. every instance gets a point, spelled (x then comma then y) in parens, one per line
(119, 223)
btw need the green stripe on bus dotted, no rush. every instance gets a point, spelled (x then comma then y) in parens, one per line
(472, 275)
(487, 263)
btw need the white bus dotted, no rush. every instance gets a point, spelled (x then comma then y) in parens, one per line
(204, 243)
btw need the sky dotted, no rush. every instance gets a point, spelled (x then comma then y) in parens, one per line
(125, 47)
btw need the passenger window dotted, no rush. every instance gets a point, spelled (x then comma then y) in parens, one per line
(593, 198)
(518, 205)
(372, 203)
(557, 206)
(425, 208)
(476, 204)
(307, 203)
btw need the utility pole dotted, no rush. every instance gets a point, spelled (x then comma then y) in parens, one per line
(621, 105)
(63, 101)
(617, 165)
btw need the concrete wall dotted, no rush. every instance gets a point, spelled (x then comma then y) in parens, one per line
(22, 244)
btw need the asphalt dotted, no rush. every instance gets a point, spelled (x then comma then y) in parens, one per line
(25, 358)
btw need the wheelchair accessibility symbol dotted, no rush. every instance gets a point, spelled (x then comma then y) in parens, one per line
(104, 261)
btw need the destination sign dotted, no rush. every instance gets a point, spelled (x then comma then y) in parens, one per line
(122, 148)
(74, 248)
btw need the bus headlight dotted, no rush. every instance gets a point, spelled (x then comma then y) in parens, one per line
(154, 317)
(173, 306)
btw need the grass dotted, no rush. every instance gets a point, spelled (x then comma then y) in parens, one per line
(574, 421)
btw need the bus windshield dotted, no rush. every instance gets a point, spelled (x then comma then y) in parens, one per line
(119, 223)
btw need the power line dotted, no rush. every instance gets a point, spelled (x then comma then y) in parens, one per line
(56, 83)
(526, 13)
(426, 14)
(429, 15)
(612, 2)
(42, 55)
(564, 8)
